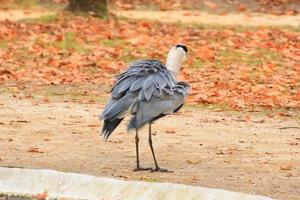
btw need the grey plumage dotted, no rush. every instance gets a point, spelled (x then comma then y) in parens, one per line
(160, 104)
(148, 91)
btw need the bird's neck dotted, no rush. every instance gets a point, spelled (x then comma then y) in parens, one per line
(173, 64)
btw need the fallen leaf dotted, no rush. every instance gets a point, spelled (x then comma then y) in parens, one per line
(123, 176)
(34, 150)
(242, 7)
(171, 131)
(42, 196)
(286, 167)
(23, 121)
(193, 161)
(94, 125)
(210, 5)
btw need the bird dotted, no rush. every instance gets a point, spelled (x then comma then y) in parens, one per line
(147, 91)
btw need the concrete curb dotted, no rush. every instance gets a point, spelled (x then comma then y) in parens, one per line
(80, 186)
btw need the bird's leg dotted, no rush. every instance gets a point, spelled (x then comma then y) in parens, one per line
(138, 168)
(157, 168)
(150, 143)
(137, 149)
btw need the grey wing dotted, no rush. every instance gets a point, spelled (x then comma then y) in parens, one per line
(159, 105)
(138, 83)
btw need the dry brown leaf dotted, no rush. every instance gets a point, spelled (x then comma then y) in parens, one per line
(34, 150)
(170, 130)
(194, 162)
(286, 167)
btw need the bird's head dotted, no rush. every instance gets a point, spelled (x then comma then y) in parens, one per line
(176, 56)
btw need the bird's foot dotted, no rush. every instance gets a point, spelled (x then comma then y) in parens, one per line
(159, 169)
(142, 169)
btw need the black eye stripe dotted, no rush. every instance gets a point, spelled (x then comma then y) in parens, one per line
(183, 47)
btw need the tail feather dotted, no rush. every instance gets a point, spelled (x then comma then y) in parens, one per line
(109, 126)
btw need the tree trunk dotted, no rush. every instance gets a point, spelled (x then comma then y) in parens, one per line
(98, 7)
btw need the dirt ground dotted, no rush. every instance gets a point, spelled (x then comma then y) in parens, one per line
(197, 17)
(249, 153)
(193, 17)
(15, 15)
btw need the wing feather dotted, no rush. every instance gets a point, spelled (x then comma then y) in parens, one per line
(147, 90)
(160, 104)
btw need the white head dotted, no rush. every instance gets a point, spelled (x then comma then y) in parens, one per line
(176, 55)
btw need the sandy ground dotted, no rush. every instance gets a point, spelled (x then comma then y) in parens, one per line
(195, 17)
(246, 153)
(15, 15)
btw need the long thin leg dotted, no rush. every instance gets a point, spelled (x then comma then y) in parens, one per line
(150, 143)
(157, 168)
(137, 150)
(138, 167)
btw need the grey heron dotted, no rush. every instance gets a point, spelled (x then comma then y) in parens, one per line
(148, 90)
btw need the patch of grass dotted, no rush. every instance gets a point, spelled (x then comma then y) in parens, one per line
(127, 57)
(43, 19)
(47, 19)
(112, 42)
(69, 42)
(27, 3)
(33, 4)
(23, 53)
(199, 63)
(268, 54)
(231, 56)
(261, 55)
(3, 45)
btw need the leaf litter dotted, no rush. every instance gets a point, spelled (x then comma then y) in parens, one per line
(242, 69)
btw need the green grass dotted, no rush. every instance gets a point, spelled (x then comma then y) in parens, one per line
(43, 19)
(268, 54)
(26, 3)
(127, 57)
(47, 19)
(232, 56)
(3, 45)
(199, 63)
(69, 42)
(23, 54)
(112, 42)
(260, 56)
(33, 4)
